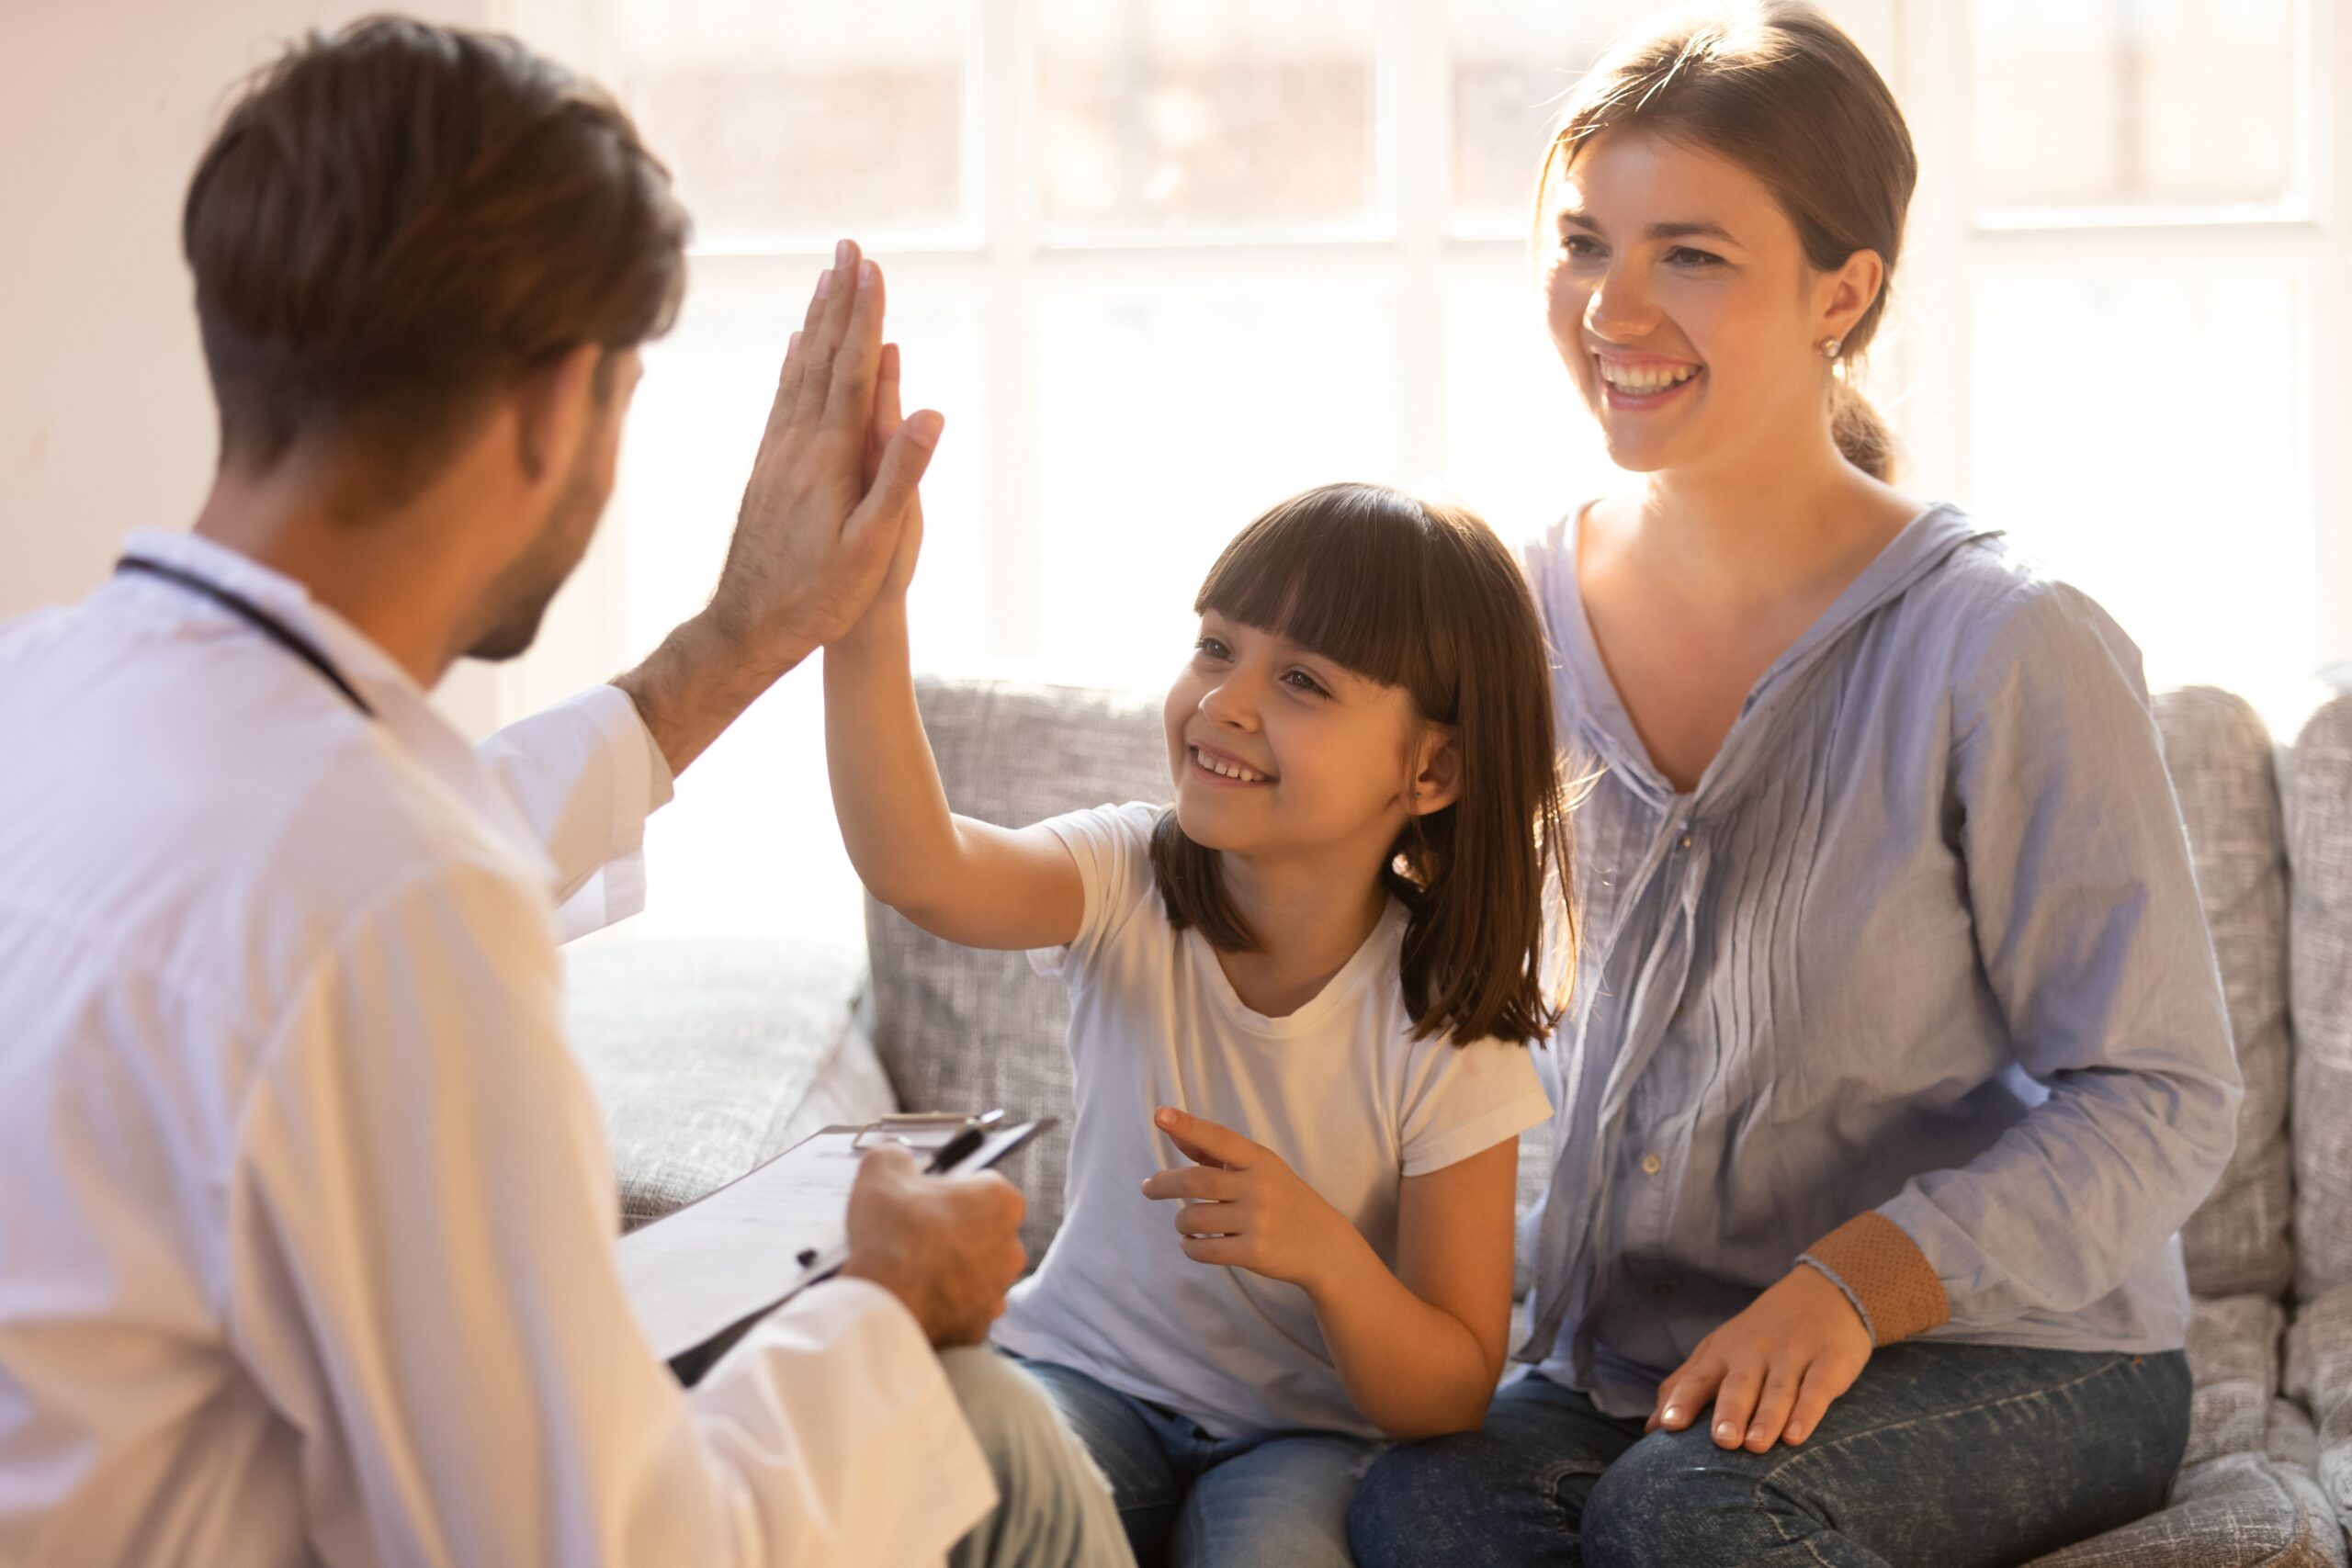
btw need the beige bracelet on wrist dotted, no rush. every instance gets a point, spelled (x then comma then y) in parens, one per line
(1884, 1269)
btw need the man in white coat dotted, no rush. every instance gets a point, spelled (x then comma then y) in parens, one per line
(307, 1222)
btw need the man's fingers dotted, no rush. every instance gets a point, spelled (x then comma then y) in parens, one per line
(998, 1199)
(849, 400)
(1735, 1402)
(827, 332)
(1206, 1142)
(1772, 1406)
(884, 1162)
(1199, 1183)
(795, 364)
(887, 417)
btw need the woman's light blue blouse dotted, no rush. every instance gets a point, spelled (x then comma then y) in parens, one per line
(1925, 939)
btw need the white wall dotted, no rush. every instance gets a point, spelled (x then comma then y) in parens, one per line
(105, 423)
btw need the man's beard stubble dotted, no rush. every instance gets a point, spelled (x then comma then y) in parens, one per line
(518, 601)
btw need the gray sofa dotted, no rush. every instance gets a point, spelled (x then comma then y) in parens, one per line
(711, 1055)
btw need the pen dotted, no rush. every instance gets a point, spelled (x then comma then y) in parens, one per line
(954, 1149)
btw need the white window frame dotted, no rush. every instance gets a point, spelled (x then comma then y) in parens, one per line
(1953, 243)
(1005, 265)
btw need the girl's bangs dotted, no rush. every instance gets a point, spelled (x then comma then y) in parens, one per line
(1340, 571)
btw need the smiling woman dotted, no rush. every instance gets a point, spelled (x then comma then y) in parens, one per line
(1821, 147)
(1879, 829)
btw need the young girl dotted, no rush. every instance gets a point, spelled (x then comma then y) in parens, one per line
(1302, 1002)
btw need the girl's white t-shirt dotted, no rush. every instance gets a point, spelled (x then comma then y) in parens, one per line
(1339, 1089)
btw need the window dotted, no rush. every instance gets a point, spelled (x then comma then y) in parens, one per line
(2144, 317)
(1163, 261)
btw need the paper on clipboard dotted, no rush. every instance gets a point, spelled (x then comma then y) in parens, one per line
(739, 1251)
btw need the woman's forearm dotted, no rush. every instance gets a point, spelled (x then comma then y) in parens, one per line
(1415, 1370)
(893, 811)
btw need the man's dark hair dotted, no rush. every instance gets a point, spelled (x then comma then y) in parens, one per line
(398, 222)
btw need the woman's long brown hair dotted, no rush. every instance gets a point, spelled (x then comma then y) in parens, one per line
(1422, 596)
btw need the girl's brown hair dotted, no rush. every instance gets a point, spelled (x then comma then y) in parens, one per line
(1778, 88)
(1422, 596)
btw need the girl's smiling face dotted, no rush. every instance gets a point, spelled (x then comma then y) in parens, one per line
(1277, 750)
(1679, 297)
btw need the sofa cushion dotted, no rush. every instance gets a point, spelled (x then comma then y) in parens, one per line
(2233, 1361)
(710, 1056)
(2220, 755)
(2319, 1373)
(2317, 787)
(2258, 1509)
(959, 1029)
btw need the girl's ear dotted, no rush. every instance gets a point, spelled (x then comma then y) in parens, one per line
(1437, 784)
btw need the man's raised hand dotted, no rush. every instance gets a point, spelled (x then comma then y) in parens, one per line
(825, 508)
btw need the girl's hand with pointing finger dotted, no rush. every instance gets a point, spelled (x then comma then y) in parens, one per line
(1241, 1207)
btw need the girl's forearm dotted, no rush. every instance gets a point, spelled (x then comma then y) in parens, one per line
(894, 817)
(1415, 1370)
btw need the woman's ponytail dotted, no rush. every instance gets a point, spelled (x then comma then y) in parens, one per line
(1862, 435)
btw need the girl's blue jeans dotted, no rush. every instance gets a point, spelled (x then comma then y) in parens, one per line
(1939, 1455)
(1189, 1500)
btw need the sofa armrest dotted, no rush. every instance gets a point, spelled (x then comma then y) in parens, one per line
(710, 1056)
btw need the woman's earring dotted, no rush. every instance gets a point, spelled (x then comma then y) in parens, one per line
(1831, 347)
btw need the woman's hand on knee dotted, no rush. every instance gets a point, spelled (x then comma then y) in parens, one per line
(1772, 1372)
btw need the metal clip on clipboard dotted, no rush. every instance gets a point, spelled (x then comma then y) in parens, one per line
(703, 1275)
(947, 1136)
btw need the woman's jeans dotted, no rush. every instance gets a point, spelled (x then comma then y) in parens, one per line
(1190, 1500)
(1939, 1455)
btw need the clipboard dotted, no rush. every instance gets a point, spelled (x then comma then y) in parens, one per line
(699, 1278)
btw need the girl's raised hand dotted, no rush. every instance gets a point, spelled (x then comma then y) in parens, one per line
(888, 420)
(1242, 1207)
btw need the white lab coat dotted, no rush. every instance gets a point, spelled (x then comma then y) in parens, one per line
(306, 1216)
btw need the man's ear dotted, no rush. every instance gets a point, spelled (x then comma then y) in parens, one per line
(1437, 784)
(554, 408)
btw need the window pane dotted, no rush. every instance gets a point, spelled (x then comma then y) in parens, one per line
(753, 850)
(1166, 425)
(1515, 61)
(1205, 114)
(1520, 448)
(2100, 103)
(801, 118)
(2142, 436)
